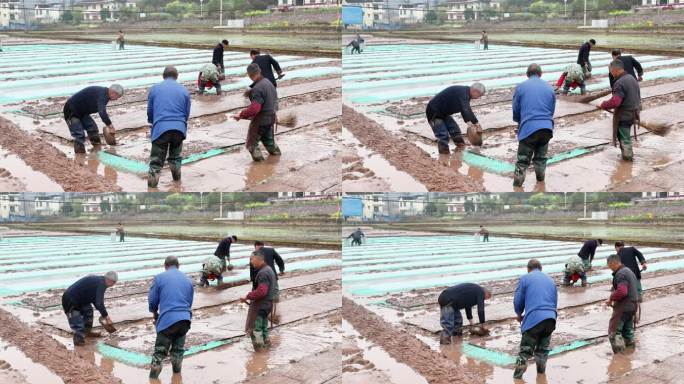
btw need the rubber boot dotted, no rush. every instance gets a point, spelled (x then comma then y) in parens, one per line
(79, 147)
(443, 149)
(445, 338)
(175, 172)
(540, 362)
(630, 343)
(176, 365)
(540, 173)
(153, 179)
(267, 342)
(518, 180)
(256, 154)
(155, 370)
(95, 140)
(273, 150)
(79, 339)
(584, 283)
(626, 152)
(520, 369)
(617, 343)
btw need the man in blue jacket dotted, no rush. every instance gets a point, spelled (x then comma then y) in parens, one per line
(170, 301)
(534, 103)
(536, 296)
(168, 110)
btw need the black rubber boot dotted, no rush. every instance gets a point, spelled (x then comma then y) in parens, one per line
(155, 370)
(520, 369)
(153, 179)
(273, 150)
(540, 362)
(256, 154)
(444, 338)
(175, 172)
(540, 173)
(95, 140)
(79, 147)
(176, 365)
(443, 149)
(79, 339)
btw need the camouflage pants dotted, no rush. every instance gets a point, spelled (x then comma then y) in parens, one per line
(535, 342)
(625, 139)
(259, 334)
(532, 149)
(171, 341)
(621, 328)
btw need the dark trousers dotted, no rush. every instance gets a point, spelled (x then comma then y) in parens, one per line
(80, 318)
(485, 238)
(80, 124)
(202, 85)
(357, 49)
(121, 44)
(356, 242)
(532, 149)
(444, 128)
(121, 237)
(168, 146)
(486, 44)
(451, 320)
(171, 341)
(535, 341)
(261, 130)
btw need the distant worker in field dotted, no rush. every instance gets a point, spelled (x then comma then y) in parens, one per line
(209, 76)
(170, 302)
(452, 300)
(626, 103)
(79, 107)
(624, 300)
(451, 100)
(534, 103)
(485, 234)
(633, 259)
(535, 303)
(120, 40)
(631, 64)
(583, 57)
(168, 110)
(78, 301)
(223, 251)
(356, 237)
(587, 252)
(356, 46)
(217, 56)
(272, 258)
(484, 39)
(260, 302)
(572, 77)
(262, 113)
(120, 232)
(574, 270)
(267, 64)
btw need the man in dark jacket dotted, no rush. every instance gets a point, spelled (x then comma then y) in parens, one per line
(587, 252)
(631, 258)
(267, 64)
(78, 301)
(217, 57)
(452, 300)
(623, 299)
(262, 113)
(356, 237)
(583, 57)
(223, 250)
(631, 64)
(451, 100)
(260, 301)
(77, 112)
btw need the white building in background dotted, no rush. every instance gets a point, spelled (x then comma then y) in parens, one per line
(48, 205)
(662, 3)
(298, 196)
(373, 205)
(411, 205)
(93, 202)
(456, 9)
(11, 14)
(411, 13)
(457, 202)
(48, 13)
(16, 206)
(92, 8)
(651, 196)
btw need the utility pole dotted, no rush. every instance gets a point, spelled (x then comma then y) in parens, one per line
(221, 205)
(221, 14)
(585, 202)
(201, 8)
(565, 3)
(585, 13)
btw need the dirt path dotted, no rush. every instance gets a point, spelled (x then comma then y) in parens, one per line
(406, 156)
(320, 368)
(47, 159)
(47, 351)
(403, 346)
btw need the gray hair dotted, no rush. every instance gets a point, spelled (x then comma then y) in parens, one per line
(117, 88)
(253, 69)
(534, 264)
(618, 64)
(479, 87)
(534, 69)
(614, 258)
(170, 71)
(258, 254)
(171, 261)
(112, 276)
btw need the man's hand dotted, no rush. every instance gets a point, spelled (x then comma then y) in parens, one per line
(280, 75)
(519, 318)
(236, 117)
(155, 317)
(108, 320)
(609, 303)
(643, 266)
(111, 128)
(640, 78)
(471, 321)
(282, 273)
(244, 300)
